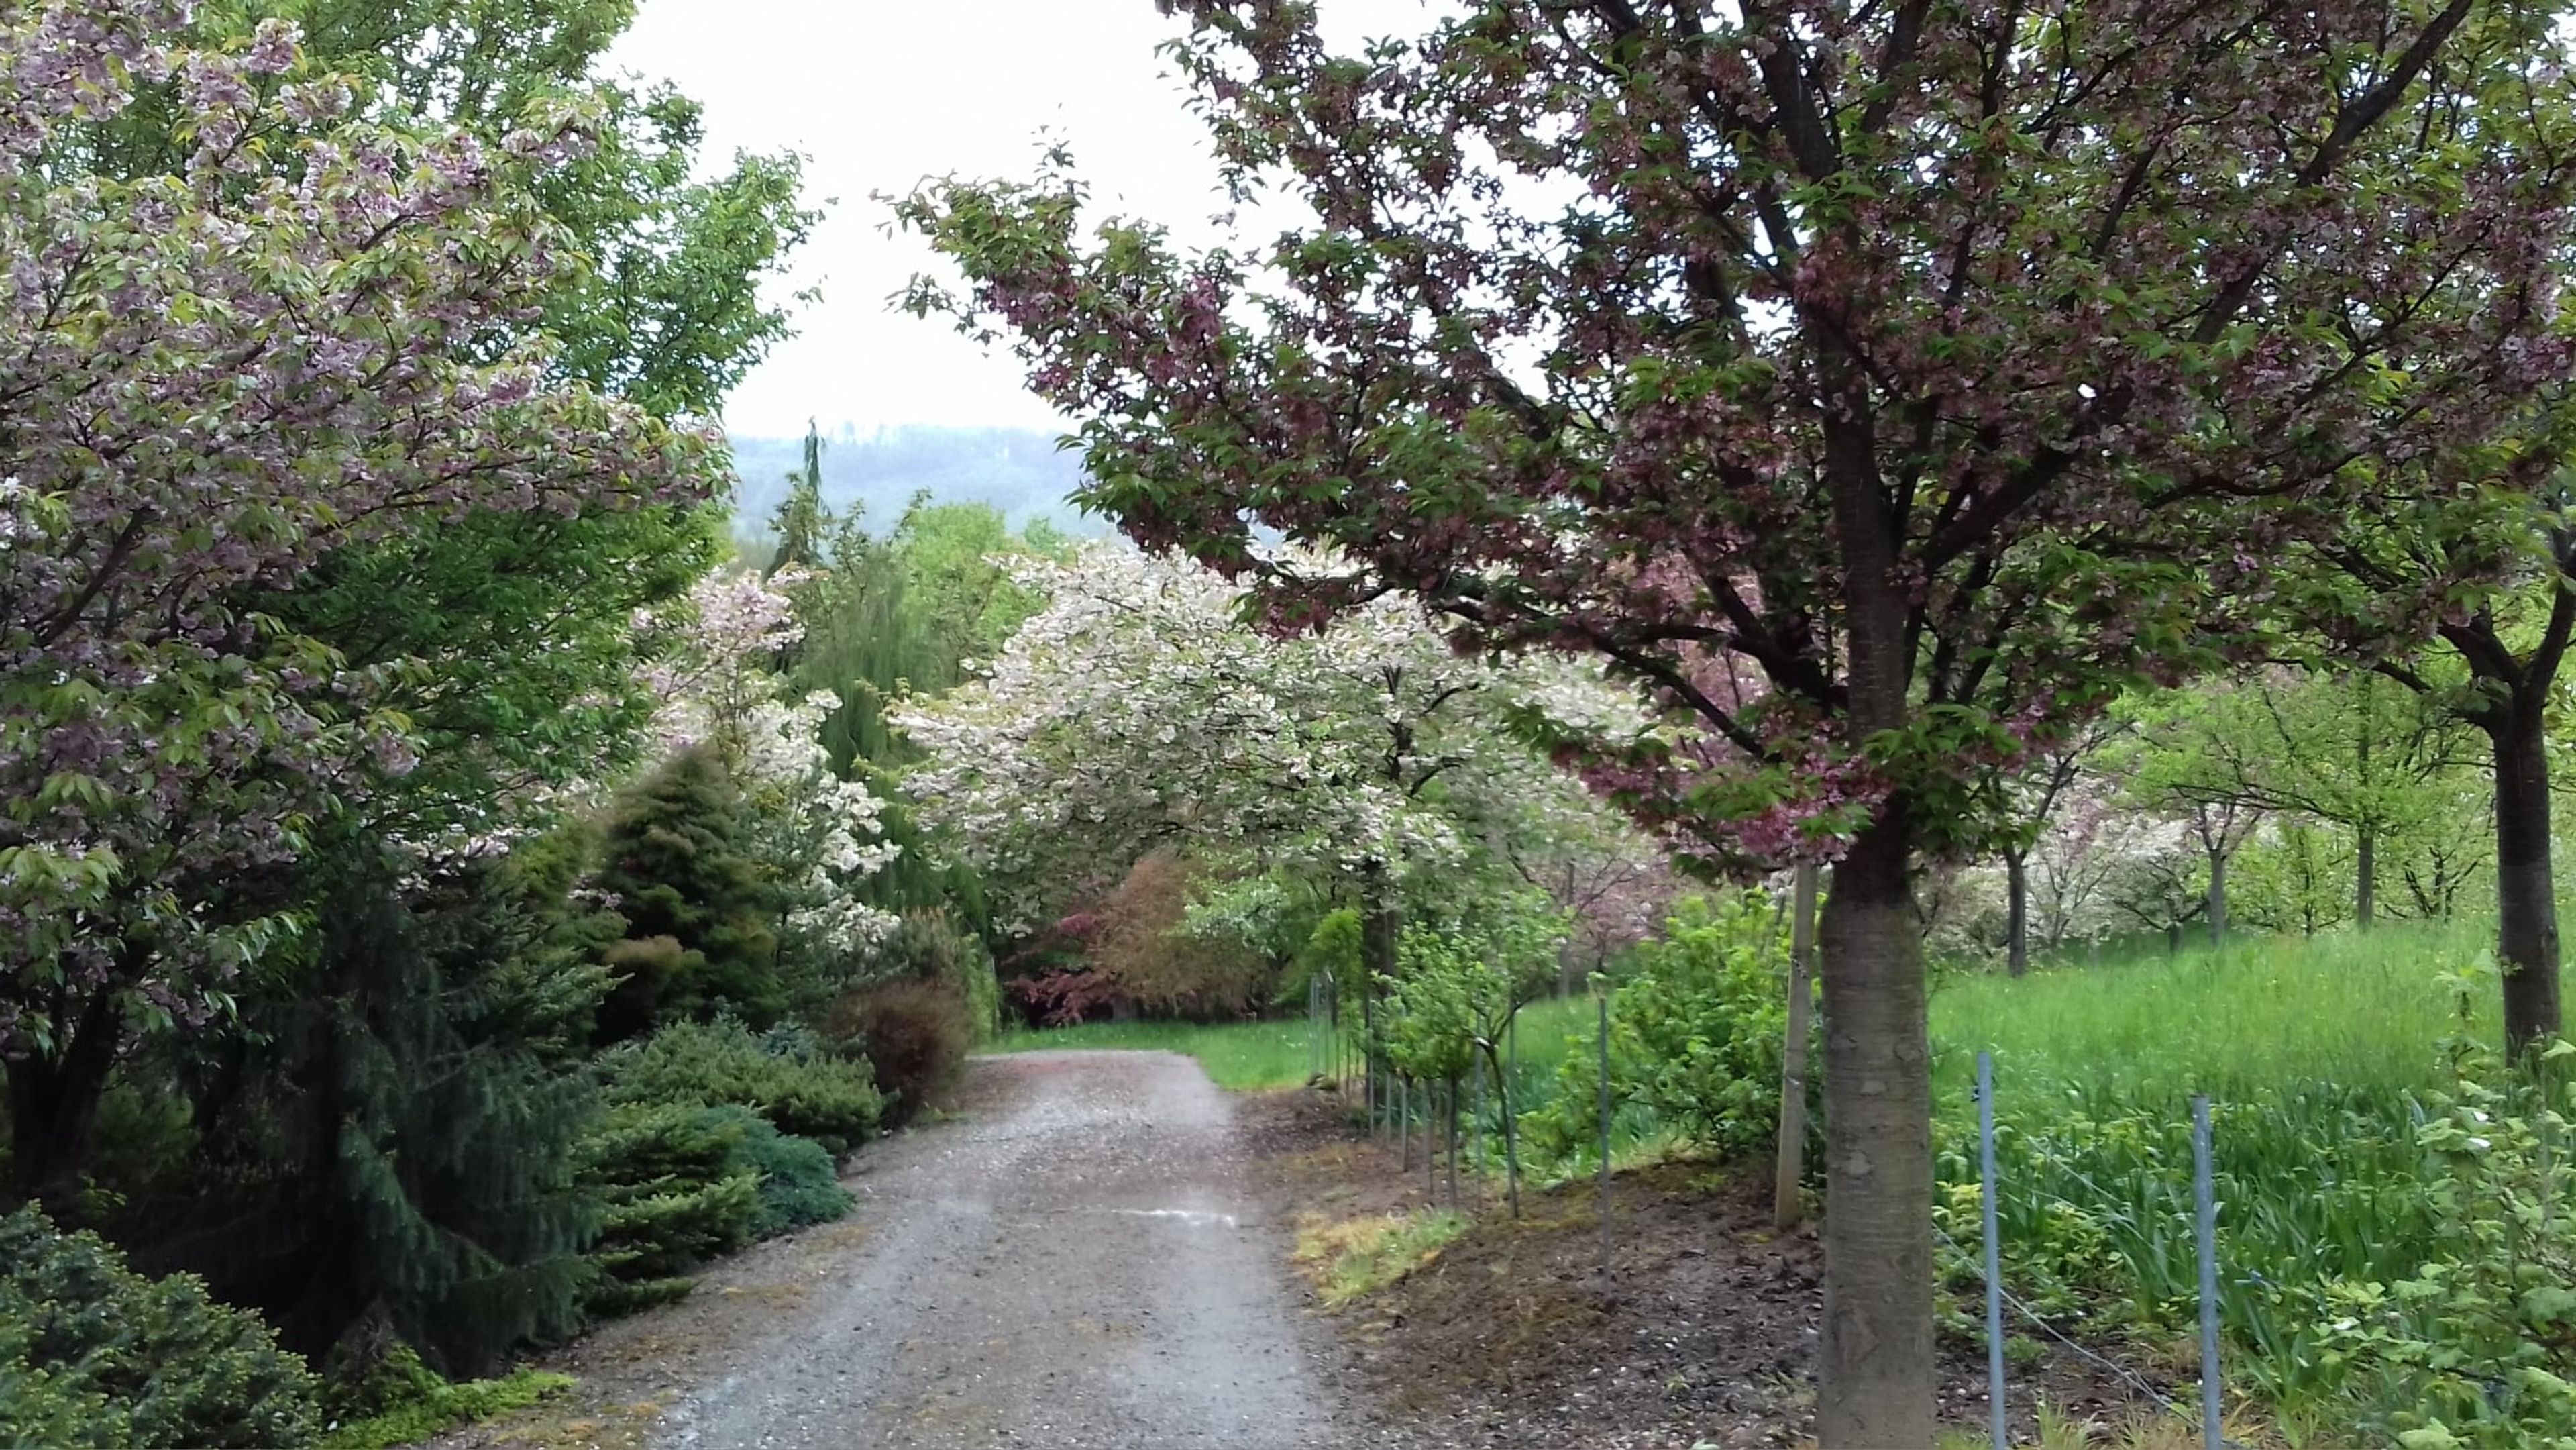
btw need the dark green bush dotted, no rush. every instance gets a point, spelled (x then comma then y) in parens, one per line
(697, 908)
(675, 1190)
(683, 1183)
(798, 1184)
(92, 1353)
(914, 1035)
(787, 1077)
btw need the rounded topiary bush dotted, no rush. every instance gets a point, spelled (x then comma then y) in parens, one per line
(95, 1354)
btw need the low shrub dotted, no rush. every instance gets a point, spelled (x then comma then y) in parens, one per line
(929, 945)
(798, 1183)
(1695, 1031)
(94, 1354)
(675, 1190)
(914, 1035)
(683, 1183)
(789, 1078)
(398, 1400)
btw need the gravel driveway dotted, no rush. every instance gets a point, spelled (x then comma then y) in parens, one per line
(1079, 1261)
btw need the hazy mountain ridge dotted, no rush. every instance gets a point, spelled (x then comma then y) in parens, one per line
(1018, 471)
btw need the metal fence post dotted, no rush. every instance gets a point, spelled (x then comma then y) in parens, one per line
(1476, 1126)
(1994, 1246)
(1602, 1000)
(2205, 1195)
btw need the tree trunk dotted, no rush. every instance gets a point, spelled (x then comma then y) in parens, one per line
(2365, 861)
(2017, 912)
(2526, 896)
(1876, 1356)
(2218, 898)
(53, 1109)
(1449, 1096)
(1788, 1201)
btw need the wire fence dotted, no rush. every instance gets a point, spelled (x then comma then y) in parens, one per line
(1342, 1060)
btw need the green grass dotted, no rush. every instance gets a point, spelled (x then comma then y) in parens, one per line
(2366, 1011)
(1249, 1056)
(2314, 1053)
(437, 1405)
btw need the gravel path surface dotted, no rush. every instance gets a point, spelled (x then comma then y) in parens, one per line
(1080, 1261)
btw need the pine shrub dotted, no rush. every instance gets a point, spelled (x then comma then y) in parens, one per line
(696, 905)
(94, 1354)
(787, 1077)
(684, 1183)
(676, 1190)
(798, 1184)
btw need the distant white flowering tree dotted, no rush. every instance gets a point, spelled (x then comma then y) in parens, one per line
(1139, 709)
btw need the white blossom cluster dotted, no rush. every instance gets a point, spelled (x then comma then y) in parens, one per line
(1141, 708)
(718, 682)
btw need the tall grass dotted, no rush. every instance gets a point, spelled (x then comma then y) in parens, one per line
(2364, 1010)
(2315, 1054)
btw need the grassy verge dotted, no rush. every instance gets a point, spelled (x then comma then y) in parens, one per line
(433, 1405)
(1350, 1259)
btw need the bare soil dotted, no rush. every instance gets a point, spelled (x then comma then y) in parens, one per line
(1704, 1333)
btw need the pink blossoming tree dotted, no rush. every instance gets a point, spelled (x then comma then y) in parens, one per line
(312, 333)
(1952, 365)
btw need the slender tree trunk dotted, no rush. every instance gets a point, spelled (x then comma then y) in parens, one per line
(53, 1109)
(1788, 1201)
(2218, 898)
(2017, 912)
(2526, 896)
(1876, 1357)
(2365, 861)
(1450, 1102)
(1511, 1136)
(1403, 1125)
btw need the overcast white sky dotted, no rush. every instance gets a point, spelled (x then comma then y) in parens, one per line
(880, 94)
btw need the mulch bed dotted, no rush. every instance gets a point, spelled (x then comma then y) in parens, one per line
(1705, 1333)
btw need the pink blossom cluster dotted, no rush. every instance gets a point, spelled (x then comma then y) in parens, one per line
(213, 378)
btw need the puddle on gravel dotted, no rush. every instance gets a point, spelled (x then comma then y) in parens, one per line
(1195, 1218)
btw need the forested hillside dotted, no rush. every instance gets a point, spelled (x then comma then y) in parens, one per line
(1017, 471)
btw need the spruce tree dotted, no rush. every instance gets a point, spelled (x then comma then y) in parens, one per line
(698, 912)
(386, 1152)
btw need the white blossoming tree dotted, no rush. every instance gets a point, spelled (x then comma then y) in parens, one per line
(1139, 710)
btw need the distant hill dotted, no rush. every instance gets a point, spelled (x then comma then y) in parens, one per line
(1017, 470)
